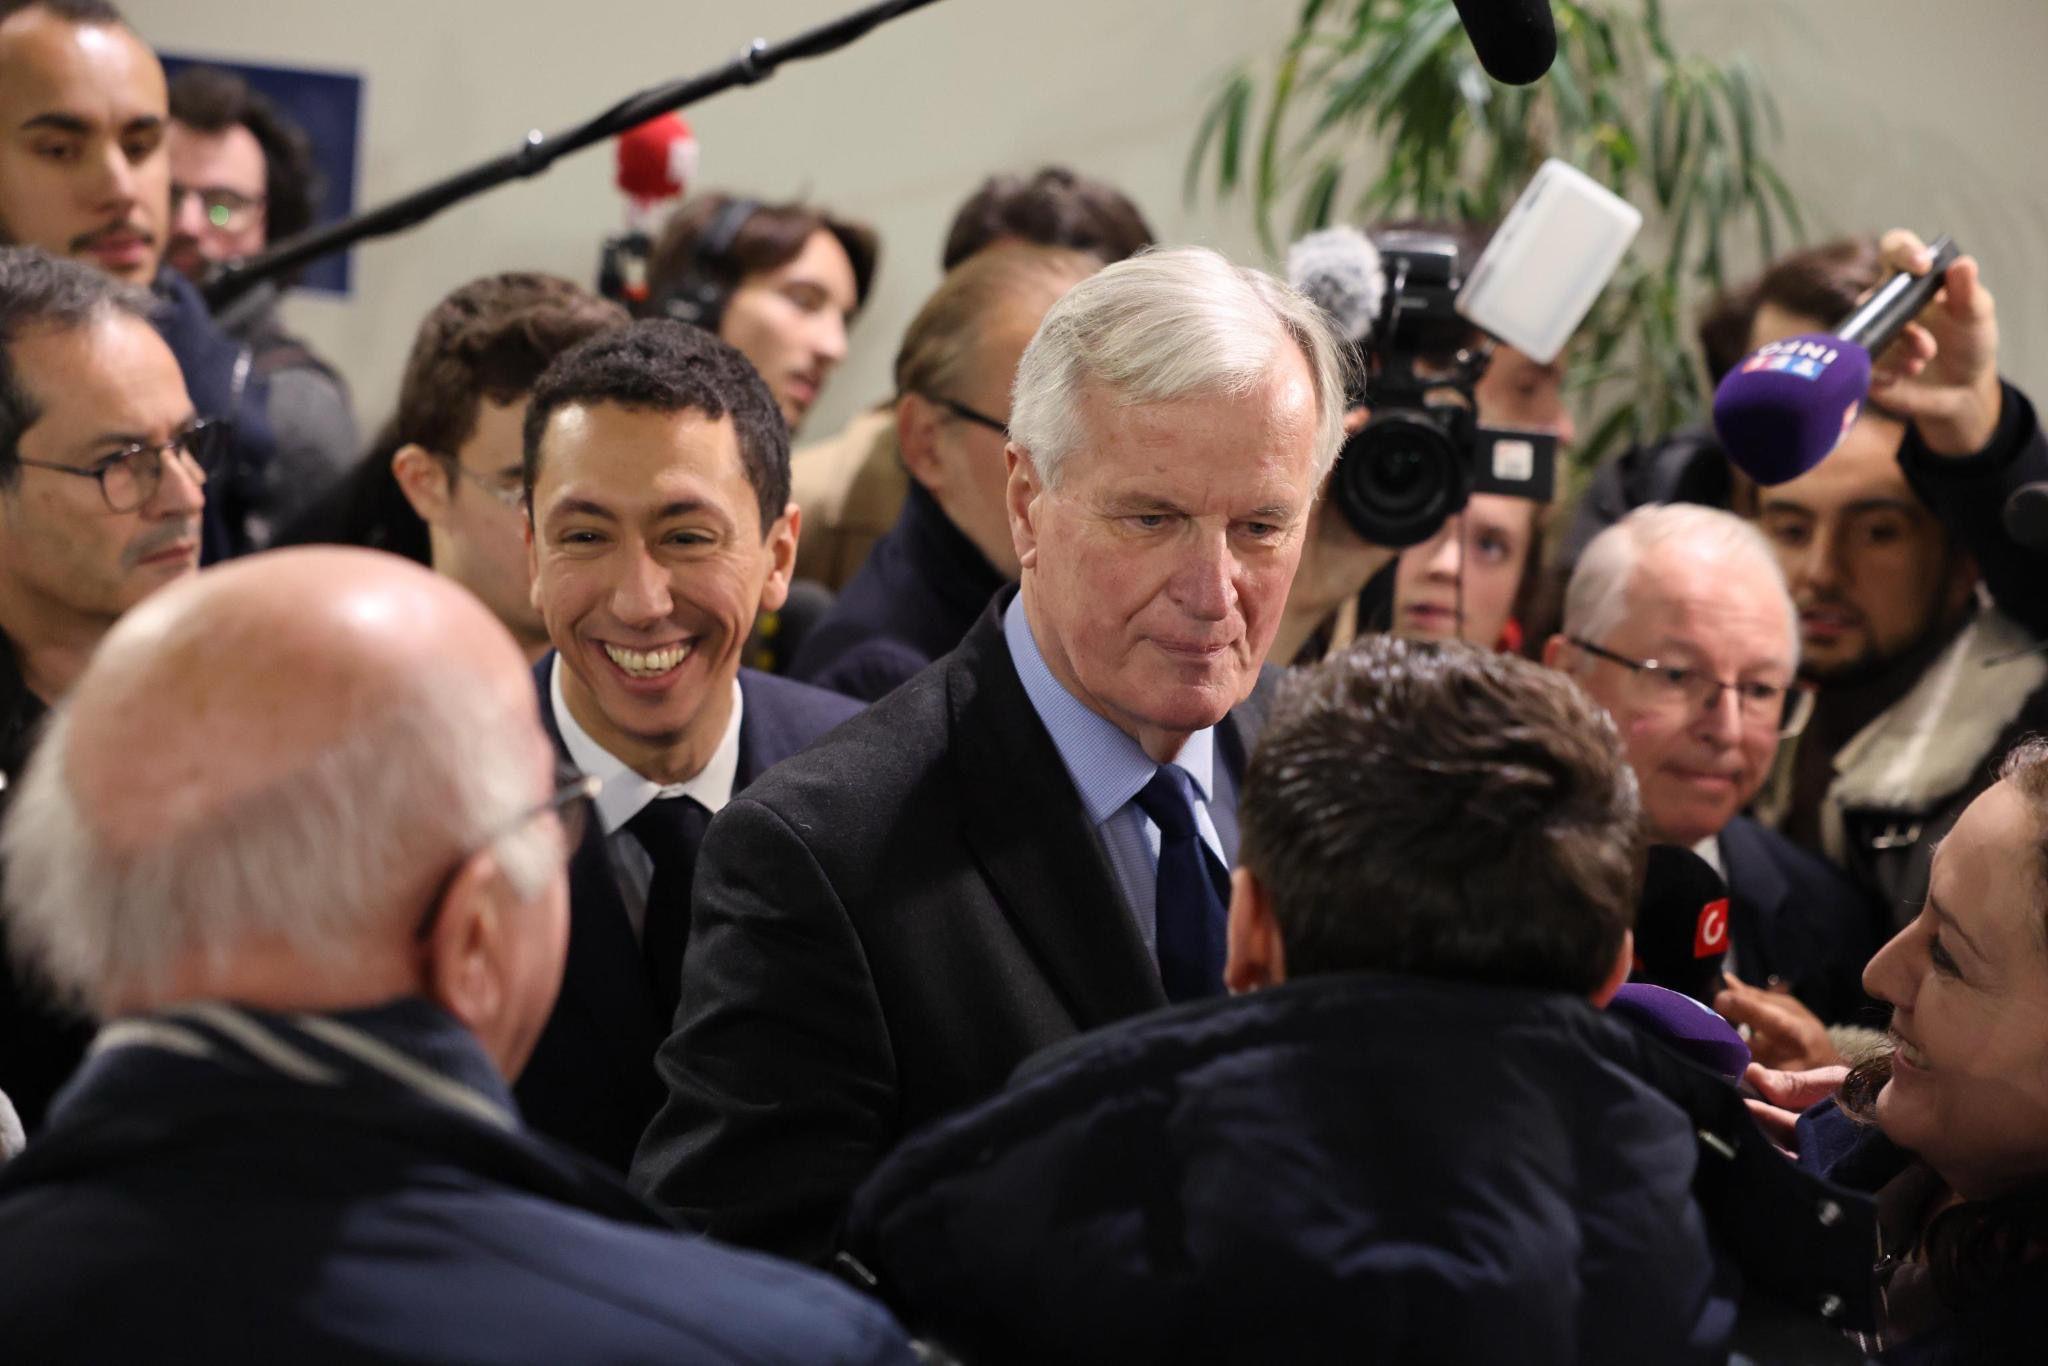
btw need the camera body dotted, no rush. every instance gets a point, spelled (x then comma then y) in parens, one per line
(1424, 452)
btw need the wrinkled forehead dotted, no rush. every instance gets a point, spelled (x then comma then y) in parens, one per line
(1715, 606)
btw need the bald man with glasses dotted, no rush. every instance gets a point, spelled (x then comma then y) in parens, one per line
(1678, 621)
(103, 471)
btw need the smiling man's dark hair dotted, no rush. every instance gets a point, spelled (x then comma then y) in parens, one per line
(661, 366)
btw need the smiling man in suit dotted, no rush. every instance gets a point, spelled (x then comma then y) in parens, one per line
(1029, 838)
(657, 478)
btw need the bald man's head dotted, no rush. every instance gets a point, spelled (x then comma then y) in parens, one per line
(266, 779)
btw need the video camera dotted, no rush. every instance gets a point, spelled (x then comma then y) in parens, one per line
(1423, 319)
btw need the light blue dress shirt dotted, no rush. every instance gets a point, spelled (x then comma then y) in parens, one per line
(1109, 767)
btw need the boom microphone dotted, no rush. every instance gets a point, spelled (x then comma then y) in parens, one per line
(1681, 924)
(1785, 407)
(1339, 270)
(1515, 40)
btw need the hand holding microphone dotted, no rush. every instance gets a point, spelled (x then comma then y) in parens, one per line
(1923, 345)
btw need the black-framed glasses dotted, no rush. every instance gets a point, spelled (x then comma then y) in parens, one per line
(223, 207)
(570, 803)
(130, 476)
(1785, 707)
(974, 415)
(512, 496)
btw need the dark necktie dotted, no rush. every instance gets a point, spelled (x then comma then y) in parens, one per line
(1191, 904)
(669, 829)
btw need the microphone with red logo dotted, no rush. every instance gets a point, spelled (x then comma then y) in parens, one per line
(655, 163)
(1681, 924)
(1785, 406)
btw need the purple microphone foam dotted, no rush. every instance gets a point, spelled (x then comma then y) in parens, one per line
(1684, 1024)
(1781, 410)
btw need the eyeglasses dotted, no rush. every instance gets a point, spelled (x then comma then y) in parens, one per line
(512, 496)
(130, 476)
(1784, 707)
(229, 210)
(570, 803)
(967, 414)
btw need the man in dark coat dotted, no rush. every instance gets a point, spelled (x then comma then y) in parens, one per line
(1028, 839)
(84, 173)
(295, 837)
(1413, 1136)
(102, 485)
(658, 476)
(930, 577)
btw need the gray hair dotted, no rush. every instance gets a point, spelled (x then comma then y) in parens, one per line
(1596, 599)
(1166, 325)
(321, 858)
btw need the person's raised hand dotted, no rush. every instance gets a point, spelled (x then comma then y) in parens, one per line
(1942, 370)
(1781, 1032)
(1786, 1095)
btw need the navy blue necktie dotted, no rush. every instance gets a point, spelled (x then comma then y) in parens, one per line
(1191, 904)
(669, 829)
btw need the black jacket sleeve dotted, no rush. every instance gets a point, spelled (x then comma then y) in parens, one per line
(781, 1082)
(1968, 494)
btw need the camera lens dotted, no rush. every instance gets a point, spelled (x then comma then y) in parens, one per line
(1400, 478)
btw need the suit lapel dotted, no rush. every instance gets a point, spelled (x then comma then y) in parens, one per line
(1024, 823)
(1757, 893)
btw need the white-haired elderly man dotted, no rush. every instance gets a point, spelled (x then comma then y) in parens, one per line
(296, 836)
(1028, 839)
(1678, 621)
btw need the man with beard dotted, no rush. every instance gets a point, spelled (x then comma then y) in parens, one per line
(102, 468)
(85, 173)
(1915, 606)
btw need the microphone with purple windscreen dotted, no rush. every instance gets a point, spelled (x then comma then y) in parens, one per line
(1681, 1023)
(1786, 405)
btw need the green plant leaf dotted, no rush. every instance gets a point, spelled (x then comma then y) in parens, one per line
(1317, 198)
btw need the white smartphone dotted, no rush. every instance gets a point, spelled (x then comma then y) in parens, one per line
(1549, 260)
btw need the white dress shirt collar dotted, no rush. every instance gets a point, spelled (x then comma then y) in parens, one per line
(623, 792)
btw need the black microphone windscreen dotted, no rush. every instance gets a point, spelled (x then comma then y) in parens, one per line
(1515, 40)
(1681, 923)
(2026, 515)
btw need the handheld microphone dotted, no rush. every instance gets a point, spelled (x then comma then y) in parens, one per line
(2026, 515)
(1515, 40)
(1785, 407)
(1684, 1024)
(1681, 924)
(1339, 270)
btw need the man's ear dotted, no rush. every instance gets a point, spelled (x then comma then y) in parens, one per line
(1553, 651)
(917, 440)
(1020, 498)
(465, 952)
(1617, 974)
(532, 563)
(423, 480)
(1256, 956)
(782, 539)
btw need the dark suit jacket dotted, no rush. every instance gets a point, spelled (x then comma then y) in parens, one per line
(880, 931)
(1795, 916)
(591, 1083)
(921, 590)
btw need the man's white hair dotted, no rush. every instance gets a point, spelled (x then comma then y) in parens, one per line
(321, 858)
(1177, 323)
(1596, 599)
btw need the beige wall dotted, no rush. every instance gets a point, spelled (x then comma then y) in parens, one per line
(1895, 111)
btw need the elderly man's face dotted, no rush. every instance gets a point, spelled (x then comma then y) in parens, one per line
(83, 169)
(1696, 766)
(1155, 573)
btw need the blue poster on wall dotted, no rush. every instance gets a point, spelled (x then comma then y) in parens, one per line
(328, 105)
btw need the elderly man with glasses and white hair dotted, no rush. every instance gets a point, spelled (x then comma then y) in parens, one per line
(1030, 838)
(1678, 621)
(297, 838)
